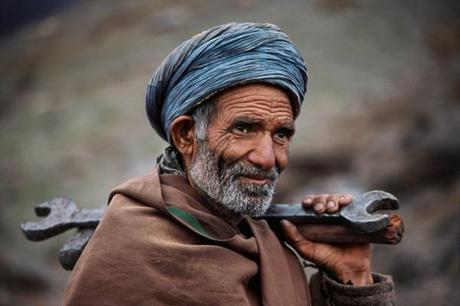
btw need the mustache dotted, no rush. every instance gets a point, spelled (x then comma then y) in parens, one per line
(235, 170)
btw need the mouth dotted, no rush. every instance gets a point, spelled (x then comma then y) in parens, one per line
(258, 180)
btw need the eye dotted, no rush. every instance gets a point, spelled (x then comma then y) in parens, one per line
(282, 135)
(242, 128)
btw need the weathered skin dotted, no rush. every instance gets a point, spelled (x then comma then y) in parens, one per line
(254, 123)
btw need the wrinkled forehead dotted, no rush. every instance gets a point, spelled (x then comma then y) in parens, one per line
(254, 102)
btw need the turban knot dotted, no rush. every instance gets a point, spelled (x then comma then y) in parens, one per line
(217, 59)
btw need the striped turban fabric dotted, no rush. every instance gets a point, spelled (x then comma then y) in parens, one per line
(217, 59)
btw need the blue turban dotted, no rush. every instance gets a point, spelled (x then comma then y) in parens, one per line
(217, 59)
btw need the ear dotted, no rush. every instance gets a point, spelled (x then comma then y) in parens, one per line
(183, 135)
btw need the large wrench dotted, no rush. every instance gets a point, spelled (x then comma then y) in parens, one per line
(62, 214)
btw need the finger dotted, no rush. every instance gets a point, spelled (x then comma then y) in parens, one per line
(345, 199)
(308, 200)
(319, 203)
(305, 247)
(332, 204)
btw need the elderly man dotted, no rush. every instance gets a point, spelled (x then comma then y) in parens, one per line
(226, 101)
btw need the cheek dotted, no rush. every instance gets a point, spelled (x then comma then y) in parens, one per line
(228, 147)
(282, 156)
(232, 149)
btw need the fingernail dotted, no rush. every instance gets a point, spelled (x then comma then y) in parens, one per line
(330, 204)
(318, 206)
(308, 200)
(342, 198)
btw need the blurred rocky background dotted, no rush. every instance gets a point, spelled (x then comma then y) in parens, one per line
(382, 112)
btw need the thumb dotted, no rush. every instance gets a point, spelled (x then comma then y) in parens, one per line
(306, 248)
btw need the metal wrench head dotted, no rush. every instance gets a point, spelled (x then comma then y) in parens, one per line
(57, 214)
(360, 213)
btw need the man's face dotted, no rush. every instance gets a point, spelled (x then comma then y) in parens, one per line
(246, 148)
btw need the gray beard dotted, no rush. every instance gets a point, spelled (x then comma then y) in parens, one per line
(220, 183)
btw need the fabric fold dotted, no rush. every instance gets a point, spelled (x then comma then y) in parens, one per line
(140, 254)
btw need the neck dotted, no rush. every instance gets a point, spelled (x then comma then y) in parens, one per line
(228, 216)
(215, 208)
(170, 163)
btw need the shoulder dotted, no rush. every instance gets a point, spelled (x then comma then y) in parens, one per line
(129, 224)
(130, 247)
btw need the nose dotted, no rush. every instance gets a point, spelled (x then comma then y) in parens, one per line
(263, 154)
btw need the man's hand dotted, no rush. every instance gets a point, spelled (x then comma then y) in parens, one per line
(348, 262)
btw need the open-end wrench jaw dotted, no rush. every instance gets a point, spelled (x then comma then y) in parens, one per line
(60, 214)
(57, 215)
(360, 213)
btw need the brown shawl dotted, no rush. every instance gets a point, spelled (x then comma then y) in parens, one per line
(158, 245)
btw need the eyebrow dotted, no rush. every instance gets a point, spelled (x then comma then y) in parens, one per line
(288, 125)
(246, 119)
(289, 128)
